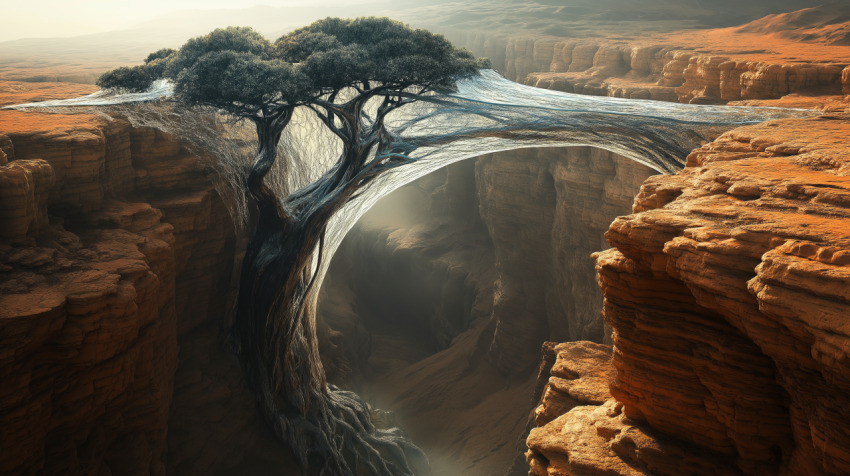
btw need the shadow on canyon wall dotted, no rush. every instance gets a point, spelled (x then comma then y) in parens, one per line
(82, 59)
(438, 302)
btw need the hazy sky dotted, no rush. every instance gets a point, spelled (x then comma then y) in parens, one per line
(51, 18)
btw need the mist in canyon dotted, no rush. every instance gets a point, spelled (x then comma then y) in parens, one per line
(544, 310)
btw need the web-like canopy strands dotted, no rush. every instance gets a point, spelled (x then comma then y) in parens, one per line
(485, 114)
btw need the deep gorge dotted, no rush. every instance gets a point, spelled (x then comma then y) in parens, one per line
(480, 269)
(702, 314)
(179, 214)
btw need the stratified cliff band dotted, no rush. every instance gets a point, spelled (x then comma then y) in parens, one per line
(723, 349)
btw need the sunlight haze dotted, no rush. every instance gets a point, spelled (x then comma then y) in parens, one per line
(61, 18)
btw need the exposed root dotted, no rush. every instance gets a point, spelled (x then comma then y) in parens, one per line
(337, 431)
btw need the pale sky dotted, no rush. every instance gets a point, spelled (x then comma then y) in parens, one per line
(59, 18)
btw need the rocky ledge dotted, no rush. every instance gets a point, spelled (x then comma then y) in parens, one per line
(727, 290)
(804, 51)
(114, 249)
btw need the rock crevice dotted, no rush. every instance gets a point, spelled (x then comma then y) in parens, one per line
(727, 294)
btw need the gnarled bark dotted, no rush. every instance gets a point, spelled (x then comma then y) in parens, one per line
(274, 328)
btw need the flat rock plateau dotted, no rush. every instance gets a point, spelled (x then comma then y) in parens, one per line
(552, 311)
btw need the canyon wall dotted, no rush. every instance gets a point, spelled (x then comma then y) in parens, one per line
(727, 294)
(507, 237)
(663, 72)
(724, 295)
(120, 237)
(546, 288)
(116, 251)
(450, 285)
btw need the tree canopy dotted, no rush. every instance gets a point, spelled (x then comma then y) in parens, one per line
(336, 53)
(350, 74)
(237, 70)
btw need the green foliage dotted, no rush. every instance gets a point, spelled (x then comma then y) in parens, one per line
(160, 54)
(136, 78)
(157, 62)
(335, 52)
(295, 49)
(240, 83)
(232, 38)
(485, 63)
(339, 67)
(238, 70)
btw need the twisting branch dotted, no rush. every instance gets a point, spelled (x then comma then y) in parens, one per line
(305, 296)
(328, 121)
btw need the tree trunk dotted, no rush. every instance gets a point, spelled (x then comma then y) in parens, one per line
(275, 336)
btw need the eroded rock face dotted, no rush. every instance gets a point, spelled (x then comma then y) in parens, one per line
(24, 188)
(88, 328)
(504, 243)
(580, 376)
(727, 293)
(571, 374)
(113, 244)
(845, 80)
(671, 70)
(546, 211)
(602, 440)
(583, 430)
(507, 238)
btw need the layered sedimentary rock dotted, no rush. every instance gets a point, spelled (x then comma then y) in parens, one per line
(571, 374)
(88, 330)
(727, 292)
(689, 77)
(102, 268)
(24, 189)
(666, 71)
(503, 245)
(546, 289)
(543, 212)
(580, 376)
(845, 80)
(583, 430)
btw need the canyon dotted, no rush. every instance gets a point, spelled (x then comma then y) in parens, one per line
(696, 320)
(101, 299)
(451, 284)
(766, 59)
(728, 346)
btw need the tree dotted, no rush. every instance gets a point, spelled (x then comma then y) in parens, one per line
(351, 74)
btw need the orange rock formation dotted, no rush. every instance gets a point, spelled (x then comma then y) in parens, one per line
(94, 296)
(495, 266)
(727, 292)
(765, 59)
(726, 288)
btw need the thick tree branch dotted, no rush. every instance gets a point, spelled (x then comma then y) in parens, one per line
(328, 121)
(269, 129)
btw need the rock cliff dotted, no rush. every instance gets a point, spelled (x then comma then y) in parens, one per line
(753, 243)
(726, 291)
(697, 67)
(542, 237)
(116, 251)
(724, 294)
(451, 300)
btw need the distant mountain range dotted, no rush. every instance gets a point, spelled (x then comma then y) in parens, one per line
(83, 58)
(829, 24)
